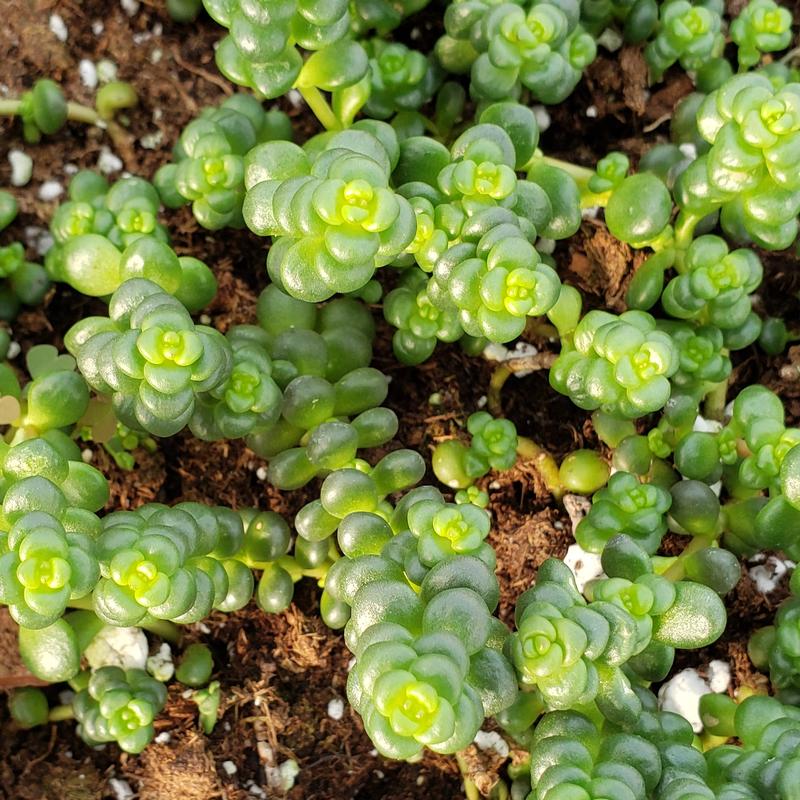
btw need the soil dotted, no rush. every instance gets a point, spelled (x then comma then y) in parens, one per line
(279, 673)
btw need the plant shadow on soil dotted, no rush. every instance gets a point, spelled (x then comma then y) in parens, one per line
(278, 673)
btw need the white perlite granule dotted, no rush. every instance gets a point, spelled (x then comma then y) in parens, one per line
(610, 39)
(122, 789)
(50, 190)
(150, 141)
(283, 776)
(768, 571)
(498, 352)
(336, 708)
(58, 27)
(160, 664)
(491, 740)
(39, 238)
(21, 167)
(118, 647)
(106, 70)
(719, 676)
(542, 116)
(681, 694)
(88, 73)
(108, 162)
(584, 566)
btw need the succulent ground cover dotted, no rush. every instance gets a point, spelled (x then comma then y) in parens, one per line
(218, 426)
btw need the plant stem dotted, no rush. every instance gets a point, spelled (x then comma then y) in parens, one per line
(470, 789)
(544, 463)
(79, 113)
(676, 570)
(581, 176)
(509, 367)
(60, 713)
(167, 630)
(537, 326)
(9, 108)
(685, 225)
(76, 113)
(499, 791)
(792, 54)
(320, 106)
(714, 406)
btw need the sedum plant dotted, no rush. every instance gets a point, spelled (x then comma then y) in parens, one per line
(119, 706)
(751, 127)
(620, 365)
(104, 235)
(687, 32)
(43, 568)
(758, 418)
(44, 110)
(774, 648)
(400, 79)
(208, 168)
(493, 446)
(574, 652)
(714, 286)
(654, 758)
(382, 15)
(761, 27)
(358, 488)
(702, 360)
(332, 399)
(49, 557)
(331, 212)
(414, 693)
(119, 214)
(538, 46)
(428, 667)
(172, 564)
(766, 729)
(418, 322)
(264, 50)
(457, 221)
(476, 222)
(249, 399)
(150, 357)
(627, 506)
(24, 282)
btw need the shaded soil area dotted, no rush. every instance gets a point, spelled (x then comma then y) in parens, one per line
(280, 673)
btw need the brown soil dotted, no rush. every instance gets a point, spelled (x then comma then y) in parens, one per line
(278, 673)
